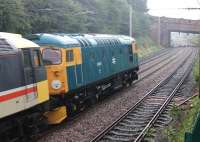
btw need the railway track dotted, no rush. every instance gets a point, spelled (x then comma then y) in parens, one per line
(155, 67)
(51, 129)
(169, 57)
(57, 128)
(133, 125)
(181, 100)
(155, 56)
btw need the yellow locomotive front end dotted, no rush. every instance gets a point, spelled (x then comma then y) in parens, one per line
(54, 59)
(59, 54)
(57, 61)
(57, 82)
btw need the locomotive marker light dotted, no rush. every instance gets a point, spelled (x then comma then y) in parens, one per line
(56, 84)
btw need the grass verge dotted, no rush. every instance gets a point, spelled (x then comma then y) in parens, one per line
(196, 71)
(183, 121)
(146, 46)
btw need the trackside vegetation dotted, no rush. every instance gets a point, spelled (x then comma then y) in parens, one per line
(146, 46)
(73, 16)
(184, 118)
(196, 70)
(183, 121)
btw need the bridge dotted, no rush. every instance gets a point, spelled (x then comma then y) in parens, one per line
(162, 27)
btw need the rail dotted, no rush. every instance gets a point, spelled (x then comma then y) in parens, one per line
(142, 133)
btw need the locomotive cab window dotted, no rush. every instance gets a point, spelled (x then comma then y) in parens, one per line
(69, 56)
(51, 56)
(36, 58)
(130, 49)
(131, 54)
(27, 59)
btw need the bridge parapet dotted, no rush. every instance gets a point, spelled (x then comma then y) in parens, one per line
(168, 25)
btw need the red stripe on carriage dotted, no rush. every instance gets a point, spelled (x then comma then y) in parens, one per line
(17, 94)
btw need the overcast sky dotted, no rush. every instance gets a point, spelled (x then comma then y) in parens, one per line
(167, 8)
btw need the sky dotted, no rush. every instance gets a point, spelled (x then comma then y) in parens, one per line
(167, 8)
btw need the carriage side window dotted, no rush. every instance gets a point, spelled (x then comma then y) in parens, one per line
(36, 58)
(51, 56)
(27, 59)
(69, 56)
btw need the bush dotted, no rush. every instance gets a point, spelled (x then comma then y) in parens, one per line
(196, 70)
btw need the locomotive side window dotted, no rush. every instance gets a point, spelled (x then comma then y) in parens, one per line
(36, 58)
(27, 59)
(130, 53)
(69, 56)
(130, 49)
(51, 56)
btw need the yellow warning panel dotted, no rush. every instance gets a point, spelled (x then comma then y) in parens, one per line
(57, 115)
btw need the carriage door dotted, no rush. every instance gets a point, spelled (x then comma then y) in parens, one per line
(74, 67)
(29, 77)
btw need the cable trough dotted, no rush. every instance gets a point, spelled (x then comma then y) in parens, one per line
(134, 124)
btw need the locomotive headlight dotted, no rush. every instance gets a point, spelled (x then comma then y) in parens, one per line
(56, 84)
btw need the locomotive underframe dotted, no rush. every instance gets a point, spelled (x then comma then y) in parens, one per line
(76, 100)
(23, 125)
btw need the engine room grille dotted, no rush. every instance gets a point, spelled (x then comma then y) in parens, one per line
(4, 45)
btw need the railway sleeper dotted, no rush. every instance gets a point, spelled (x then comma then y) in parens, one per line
(135, 118)
(147, 108)
(128, 130)
(132, 125)
(136, 115)
(122, 133)
(132, 122)
(112, 139)
(120, 137)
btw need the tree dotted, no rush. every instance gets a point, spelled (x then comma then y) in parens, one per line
(55, 16)
(13, 17)
(111, 16)
(69, 16)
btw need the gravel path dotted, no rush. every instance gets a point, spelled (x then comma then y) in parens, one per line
(98, 117)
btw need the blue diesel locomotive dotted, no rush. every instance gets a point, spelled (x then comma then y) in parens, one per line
(82, 67)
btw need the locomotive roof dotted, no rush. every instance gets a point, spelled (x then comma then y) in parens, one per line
(74, 40)
(95, 39)
(15, 41)
(53, 39)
